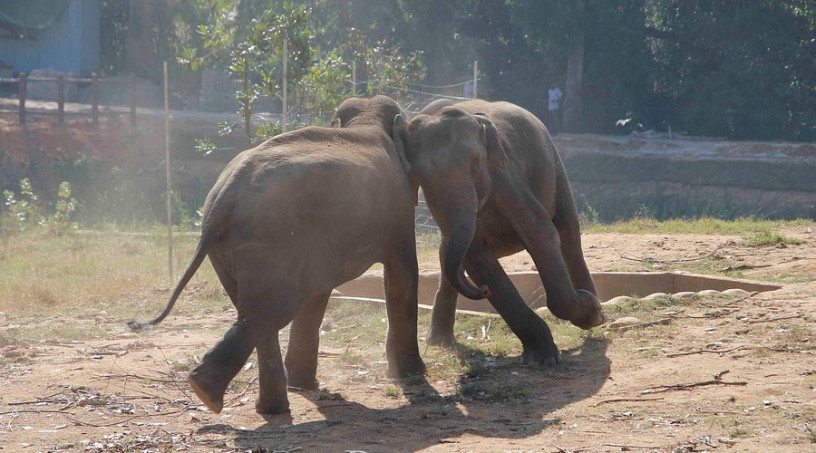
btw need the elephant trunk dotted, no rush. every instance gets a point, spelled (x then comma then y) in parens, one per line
(457, 220)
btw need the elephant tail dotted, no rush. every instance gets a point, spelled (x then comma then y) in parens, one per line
(200, 254)
(217, 207)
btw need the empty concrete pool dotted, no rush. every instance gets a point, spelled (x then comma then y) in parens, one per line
(609, 285)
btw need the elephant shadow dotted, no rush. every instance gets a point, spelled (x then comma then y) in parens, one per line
(500, 398)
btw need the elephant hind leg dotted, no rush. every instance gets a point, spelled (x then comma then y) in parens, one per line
(269, 301)
(304, 343)
(272, 398)
(210, 378)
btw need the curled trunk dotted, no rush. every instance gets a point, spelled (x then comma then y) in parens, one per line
(456, 216)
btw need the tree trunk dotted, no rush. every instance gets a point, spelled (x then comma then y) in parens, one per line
(573, 98)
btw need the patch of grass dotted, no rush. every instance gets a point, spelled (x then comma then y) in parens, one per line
(800, 336)
(392, 391)
(768, 237)
(488, 334)
(444, 365)
(350, 322)
(415, 379)
(703, 225)
(725, 421)
(428, 245)
(88, 271)
(350, 357)
(183, 364)
(737, 433)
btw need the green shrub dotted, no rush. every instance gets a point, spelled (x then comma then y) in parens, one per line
(25, 211)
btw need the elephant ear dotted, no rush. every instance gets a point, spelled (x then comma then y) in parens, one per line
(495, 150)
(398, 132)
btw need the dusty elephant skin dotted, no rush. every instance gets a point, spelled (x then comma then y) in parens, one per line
(288, 221)
(495, 184)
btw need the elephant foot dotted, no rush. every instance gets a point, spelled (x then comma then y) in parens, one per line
(443, 339)
(546, 355)
(589, 312)
(272, 406)
(405, 368)
(297, 382)
(209, 388)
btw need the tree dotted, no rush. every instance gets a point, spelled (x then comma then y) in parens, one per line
(754, 58)
(600, 49)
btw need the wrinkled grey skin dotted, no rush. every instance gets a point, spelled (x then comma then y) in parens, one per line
(495, 185)
(288, 221)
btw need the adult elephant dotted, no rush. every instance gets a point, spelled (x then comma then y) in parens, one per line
(289, 220)
(495, 185)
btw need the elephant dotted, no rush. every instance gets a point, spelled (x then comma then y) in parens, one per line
(495, 185)
(288, 221)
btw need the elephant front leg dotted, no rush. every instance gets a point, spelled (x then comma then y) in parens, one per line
(536, 230)
(401, 281)
(443, 315)
(536, 338)
(304, 343)
(210, 378)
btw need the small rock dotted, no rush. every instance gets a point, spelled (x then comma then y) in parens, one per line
(617, 300)
(622, 322)
(655, 296)
(683, 295)
(709, 293)
(736, 292)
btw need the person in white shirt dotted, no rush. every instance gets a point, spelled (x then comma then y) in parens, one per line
(554, 98)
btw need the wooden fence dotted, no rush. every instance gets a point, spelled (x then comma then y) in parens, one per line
(24, 80)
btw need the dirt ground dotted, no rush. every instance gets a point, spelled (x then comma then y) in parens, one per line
(723, 375)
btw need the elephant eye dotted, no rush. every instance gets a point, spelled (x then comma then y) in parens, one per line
(475, 166)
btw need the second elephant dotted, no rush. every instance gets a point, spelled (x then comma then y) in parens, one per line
(495, 185)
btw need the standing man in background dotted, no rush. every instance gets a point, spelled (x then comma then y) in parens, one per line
(469, 89)
(554, 98)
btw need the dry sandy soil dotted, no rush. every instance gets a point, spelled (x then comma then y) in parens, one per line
(719, 375)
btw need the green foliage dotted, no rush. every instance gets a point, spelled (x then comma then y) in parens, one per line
(751, 58)
(390, 70)
(316, 85)
(24, 209)
(254, 54)
(326, 85)
(26, 212)
(767, 237)
(63, 209)
(742, 69)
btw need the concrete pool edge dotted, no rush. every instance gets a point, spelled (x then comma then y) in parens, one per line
(369, 287)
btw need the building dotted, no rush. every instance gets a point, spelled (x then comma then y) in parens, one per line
(62, 35)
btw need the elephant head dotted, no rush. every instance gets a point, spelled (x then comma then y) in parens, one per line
(379, 111)
(452, 155)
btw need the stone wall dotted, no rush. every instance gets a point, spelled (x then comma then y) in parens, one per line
(668, 179)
